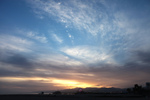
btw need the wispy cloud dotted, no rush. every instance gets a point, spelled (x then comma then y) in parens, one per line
(56, 38)
(35, 36)
(133, 33)
(58, 60)
(81, 15)
(9, 42)
(89, 54)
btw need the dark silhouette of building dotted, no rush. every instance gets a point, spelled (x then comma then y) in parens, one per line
(148, 85)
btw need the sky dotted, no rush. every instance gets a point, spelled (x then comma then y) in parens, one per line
(64, 44)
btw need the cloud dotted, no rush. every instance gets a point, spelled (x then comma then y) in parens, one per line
(32, 35)
(135, 70)
(113, 30)
(17, 60)
(89, 54)
(78, 14)
(10, 42)
(58, 67)
(58, 60)
(18, 64)
(144, 56)
(140, 57)
(35, 36)
(56, 38)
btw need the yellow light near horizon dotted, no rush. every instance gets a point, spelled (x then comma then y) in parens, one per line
(69, 83)
(57, 82)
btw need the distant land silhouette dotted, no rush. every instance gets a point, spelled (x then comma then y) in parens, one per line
(137, 92)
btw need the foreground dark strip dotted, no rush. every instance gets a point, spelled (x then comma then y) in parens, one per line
(71, 97)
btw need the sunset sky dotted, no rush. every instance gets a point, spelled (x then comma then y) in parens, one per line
(64, 44)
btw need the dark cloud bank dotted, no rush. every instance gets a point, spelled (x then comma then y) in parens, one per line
(137, 71)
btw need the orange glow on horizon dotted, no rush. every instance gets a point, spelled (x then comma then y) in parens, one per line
(71, 84)
(57, 82)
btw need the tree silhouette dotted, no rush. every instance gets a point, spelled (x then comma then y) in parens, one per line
(137, 89)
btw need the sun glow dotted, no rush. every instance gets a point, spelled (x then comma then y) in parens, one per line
(71, 84)
(56, 82)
